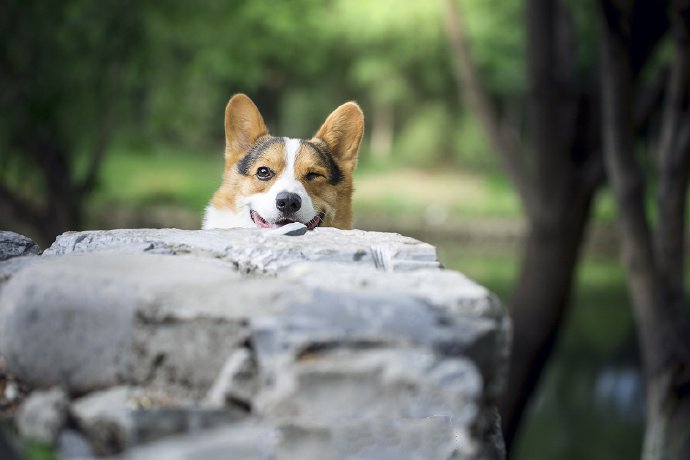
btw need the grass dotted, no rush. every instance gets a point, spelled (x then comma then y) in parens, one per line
(159, 177)
(414, 192)
(138, 179)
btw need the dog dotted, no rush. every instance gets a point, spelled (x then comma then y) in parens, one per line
(272, 181)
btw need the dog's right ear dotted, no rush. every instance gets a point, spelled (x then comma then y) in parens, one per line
(243, 126)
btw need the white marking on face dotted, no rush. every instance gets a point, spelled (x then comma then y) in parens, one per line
(291, 148)
(265, 203)
(225, 218)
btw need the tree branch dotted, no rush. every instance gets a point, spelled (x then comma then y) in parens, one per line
(90, 179)
(504, 142)
(97, 156)
(619, 144)
(661, 330)
(649, 100)
(546, 97)
(674, 158)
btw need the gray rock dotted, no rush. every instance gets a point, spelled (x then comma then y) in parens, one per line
(105, 418)
(153, 424)
(336, 344)
(246, 441)
(16, 245)
(79, 321)
(259, 251)
(435, 437)
(42, 415)
(123, 416)
(236, 383)
(71, 444)
(373, 384)
(347, 439)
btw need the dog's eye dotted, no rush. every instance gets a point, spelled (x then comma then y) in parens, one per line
(264, 173)
(312, 175)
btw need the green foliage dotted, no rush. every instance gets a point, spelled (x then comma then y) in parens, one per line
(136, 179)
(161, 73)
(496, 34)
(65, 68)
(427, 137)
(64, 63)
(471, 148)
(203, 52)
(587, 33)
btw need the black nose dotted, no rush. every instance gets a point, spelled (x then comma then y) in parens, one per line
(288, 202)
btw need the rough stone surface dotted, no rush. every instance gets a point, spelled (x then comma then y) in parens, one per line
(123, 416)
(381, 439)
(73, 445)
(15, 245)
(50, 312)
(105, 418)
(251, 344)
(42, 415)
(261, 251)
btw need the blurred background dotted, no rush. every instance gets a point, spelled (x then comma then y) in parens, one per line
(111, 116)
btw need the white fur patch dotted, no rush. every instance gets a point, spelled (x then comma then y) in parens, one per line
(225, 218)
(291, 148)
(265, 203)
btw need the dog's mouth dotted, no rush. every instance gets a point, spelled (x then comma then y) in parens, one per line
(263, 223)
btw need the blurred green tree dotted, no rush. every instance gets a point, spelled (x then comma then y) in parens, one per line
(64, 68)
(76, 75)
(203, 52)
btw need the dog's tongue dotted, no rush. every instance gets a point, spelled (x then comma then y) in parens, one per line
(259, 221)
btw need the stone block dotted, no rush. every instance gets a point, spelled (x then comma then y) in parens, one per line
(252, 344)
(16, 245)
(42, 415)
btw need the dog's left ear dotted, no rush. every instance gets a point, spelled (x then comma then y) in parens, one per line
(243, 126)
(342, 132)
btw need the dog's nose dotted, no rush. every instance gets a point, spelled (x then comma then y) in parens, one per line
(288, 202)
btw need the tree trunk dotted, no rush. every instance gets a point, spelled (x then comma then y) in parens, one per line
(62, 207)
(551, 175)
(662, 333)
(540, 301)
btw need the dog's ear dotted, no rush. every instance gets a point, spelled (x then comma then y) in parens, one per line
(342, 132)
(243, 126)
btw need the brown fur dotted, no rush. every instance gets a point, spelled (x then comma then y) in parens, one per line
(341, 134)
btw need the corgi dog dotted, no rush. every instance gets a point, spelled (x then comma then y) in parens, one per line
(272, 181)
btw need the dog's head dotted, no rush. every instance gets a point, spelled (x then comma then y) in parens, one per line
(272, 181)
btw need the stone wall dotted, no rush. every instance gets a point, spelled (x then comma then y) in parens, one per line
(250, 344)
